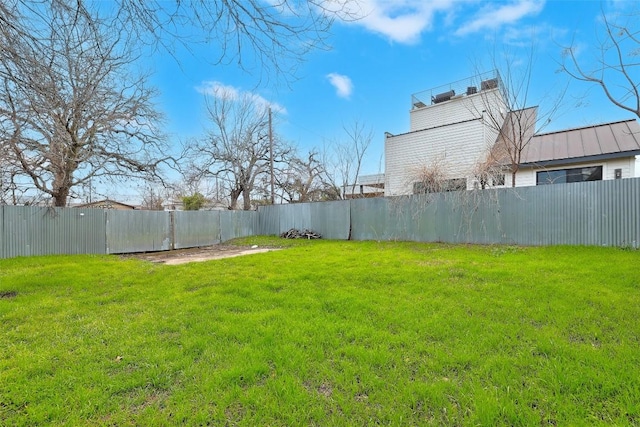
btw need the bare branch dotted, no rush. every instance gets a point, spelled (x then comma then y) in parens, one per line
(615, 70)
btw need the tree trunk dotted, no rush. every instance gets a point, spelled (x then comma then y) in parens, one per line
(246, 200)
(60, 197)
(235, 194)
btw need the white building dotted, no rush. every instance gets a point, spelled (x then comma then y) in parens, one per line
(449, 131)
(453, 136)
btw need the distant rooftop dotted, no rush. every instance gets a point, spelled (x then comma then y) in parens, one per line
(457, 89)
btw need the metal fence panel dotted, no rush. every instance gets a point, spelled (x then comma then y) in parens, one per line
(331, 219)
(297, 215)
(2, 238)
(235, 224)
(196, 228)
(369, 218)
(620, 222)
(138, 231)
(590, 213)
(269, 220)
(30, 230)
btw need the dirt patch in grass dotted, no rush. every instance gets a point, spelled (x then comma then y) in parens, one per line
(183, 256)
(8, 294)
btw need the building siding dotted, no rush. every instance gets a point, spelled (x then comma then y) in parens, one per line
(452, 134)
(454, 111)
(457, 148)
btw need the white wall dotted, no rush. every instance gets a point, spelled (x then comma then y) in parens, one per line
(454, 111)
(453, 134)
(456, 148)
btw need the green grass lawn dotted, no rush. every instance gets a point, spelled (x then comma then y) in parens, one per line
(325, 333)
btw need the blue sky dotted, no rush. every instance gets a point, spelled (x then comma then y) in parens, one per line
(399, 48)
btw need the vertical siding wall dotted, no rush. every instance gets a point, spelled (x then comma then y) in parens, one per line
(590, 213)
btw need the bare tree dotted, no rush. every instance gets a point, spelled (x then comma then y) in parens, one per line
(306, 180)
(506, 111)
(237, 150)
(153, 198)
(71, 108)
(615, 68)
(349, 154)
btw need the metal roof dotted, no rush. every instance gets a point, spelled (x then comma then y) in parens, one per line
(607, 140)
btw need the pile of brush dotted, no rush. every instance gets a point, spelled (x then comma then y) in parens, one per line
(297, 234)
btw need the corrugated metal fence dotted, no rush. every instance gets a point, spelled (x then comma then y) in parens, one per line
(590, 213)
(30, 230)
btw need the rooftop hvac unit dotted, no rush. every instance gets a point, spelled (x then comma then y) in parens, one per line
(441, 97)
(471, 90)
(489, 84)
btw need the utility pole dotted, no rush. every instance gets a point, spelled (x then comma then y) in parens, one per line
(271, 156)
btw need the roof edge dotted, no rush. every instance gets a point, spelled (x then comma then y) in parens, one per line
(585, 127)
(584, 159)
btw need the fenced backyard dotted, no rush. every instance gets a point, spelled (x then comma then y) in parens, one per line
(324, 333)
(329, 332)
(604, 213)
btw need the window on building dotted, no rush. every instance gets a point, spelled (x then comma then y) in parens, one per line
(563, 176)
(498, 179)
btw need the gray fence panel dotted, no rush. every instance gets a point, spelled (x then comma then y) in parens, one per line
(235, 224)
(620, 220)
(296, 215)
(29, 230)
(196, 228)
(2, 238)
(331, 219)
(516, 217)
(590, 213)
(484, 217)
(467, 216)
(269, 220)
(405, 213)
(369, 218)
(138, 231)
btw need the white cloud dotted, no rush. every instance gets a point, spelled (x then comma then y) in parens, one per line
(495, 16)
(400, 20)
(521, 36)
(342, 84)
(404, 21)
(220, 90)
